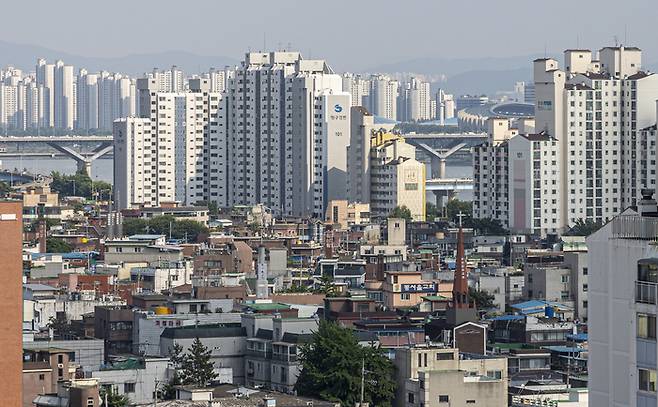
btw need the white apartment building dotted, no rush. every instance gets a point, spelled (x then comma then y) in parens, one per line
(358, 87)
(45, 76)
(396, 178)
(383, 97)
(490, 173)
(623, 304)
(64, 99)
(596, 108)
(282, 132)
(135, 163)
(358, 155)
(445, 106)
(178, 152)
(414, 101)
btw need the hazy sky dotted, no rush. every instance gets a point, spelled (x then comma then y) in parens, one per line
(358, 33)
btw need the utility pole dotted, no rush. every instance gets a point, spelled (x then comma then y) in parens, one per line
(363, 379)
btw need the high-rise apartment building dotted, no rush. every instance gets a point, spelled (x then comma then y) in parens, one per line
(414, 101)
(594, 149)
(45, 75)
(175, 143)
(281, 132)
(358, 155)
(396, 177)
(382, 100)
(64, 99)
(445, 106)
(11, 301)
(596, 109)
(358, 87)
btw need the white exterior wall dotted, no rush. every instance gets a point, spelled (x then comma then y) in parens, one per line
(613, 346)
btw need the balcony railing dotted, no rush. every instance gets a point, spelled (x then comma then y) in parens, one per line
(263, 354)
(646, 293)
(284, 357)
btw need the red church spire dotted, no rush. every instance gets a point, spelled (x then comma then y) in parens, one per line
(460, 285)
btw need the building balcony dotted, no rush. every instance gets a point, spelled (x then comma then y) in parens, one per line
(261, 354)
(284, 357)
(646, 293)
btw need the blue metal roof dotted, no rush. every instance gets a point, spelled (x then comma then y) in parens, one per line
(578, 337)
(538, 305)
(508, 318)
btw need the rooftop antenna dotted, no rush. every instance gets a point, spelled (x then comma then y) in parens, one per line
(616, 41)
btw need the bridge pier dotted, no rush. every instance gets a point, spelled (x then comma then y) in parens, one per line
(83, 161)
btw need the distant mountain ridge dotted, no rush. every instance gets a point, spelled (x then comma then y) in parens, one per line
(25, 57)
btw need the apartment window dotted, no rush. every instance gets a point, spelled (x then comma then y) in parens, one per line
(129, 387)
(495, 374)
(192, 307)
(444, 398)
(470, 401)
(405, 296)
(410, 398)
(60, 358)
(42, 377)
(584, 271)
(60, 372)
(646, 326)
(647, 379)
(445, 356)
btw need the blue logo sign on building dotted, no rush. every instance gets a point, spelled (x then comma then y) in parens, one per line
(338, 108)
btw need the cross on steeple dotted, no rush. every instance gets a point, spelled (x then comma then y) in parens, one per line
(460, 215)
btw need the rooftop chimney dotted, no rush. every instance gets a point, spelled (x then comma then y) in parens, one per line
(647, 205)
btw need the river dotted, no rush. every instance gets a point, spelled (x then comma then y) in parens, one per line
(102, 169)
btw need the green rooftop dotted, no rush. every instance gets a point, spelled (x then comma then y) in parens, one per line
(274, 306)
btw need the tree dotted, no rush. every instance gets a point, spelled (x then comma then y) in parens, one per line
(197, 368)
(332, 367)
(176, 359)
(486, 226)
(114, 399)
(583, 228)
(60, 326)
(213, 208)
(431, 211)
(79, 184)
(5, 189)
(483, 300)
(326, 286)
(401, 212)
(455, 206)
(135, 226)
(55, 245)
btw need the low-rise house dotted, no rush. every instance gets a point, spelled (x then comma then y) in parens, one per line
(434, 375)
(134, 378)
(226, 342)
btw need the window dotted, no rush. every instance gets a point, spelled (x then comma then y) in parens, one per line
(470, 401)
(405, 296)
(90, 401)
(42, 377)
(192, 307)
(444, 398)
(647, 380)
(60, 372)
(445, 356)
(129, 387)
(410, 398)
(646, 326)
(495, 374)
(60, 358)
